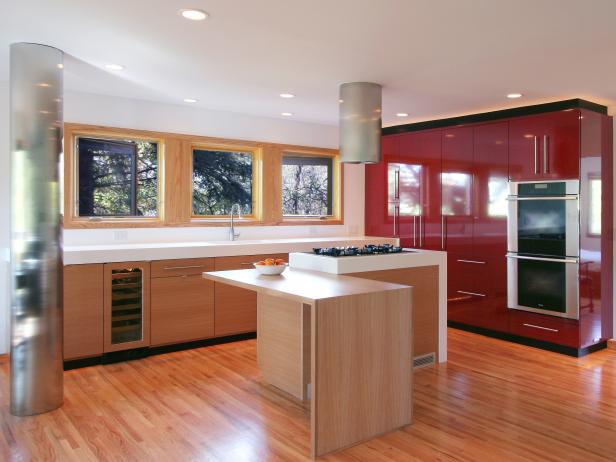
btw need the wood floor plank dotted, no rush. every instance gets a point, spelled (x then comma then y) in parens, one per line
(493, 401)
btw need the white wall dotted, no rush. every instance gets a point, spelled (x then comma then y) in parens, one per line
(128, 113)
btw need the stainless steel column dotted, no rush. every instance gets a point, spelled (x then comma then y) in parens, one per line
(36, 284)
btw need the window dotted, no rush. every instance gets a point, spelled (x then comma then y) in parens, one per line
(307, 185)
(117, 178)
(594, 213)
(222, 178)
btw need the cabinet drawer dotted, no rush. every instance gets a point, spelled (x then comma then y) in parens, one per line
(243, 261)
(547, 328)
(181, 267)
(182, 309)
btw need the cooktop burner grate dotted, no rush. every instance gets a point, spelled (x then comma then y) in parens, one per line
(369, 249)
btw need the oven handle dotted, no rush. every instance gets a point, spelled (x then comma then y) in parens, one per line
(555, 260)
(543, 198)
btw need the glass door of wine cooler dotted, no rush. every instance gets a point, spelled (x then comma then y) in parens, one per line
(127, 305)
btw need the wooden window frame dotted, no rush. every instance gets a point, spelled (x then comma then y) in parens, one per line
(257, 169)
(175, 180)
(71, 217)
(337, 204)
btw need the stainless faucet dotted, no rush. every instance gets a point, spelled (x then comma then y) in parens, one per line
(233, 235)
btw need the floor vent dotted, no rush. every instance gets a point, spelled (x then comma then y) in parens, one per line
(424, 360)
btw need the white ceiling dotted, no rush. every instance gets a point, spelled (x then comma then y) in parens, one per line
(435, 58)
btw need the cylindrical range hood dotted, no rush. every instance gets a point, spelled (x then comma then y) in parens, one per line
(360, 122)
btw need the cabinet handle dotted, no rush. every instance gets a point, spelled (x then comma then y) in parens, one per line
(422, 229)
(246, 263)
(396, 212)
(397, 184)
(540, 327)
(546, 154)
(414, 230)
(471, 293)
(536, 144)
(473, 261)
(168, 268)
(442, 232)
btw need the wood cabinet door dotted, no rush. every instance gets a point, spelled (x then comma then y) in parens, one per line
(236, 308)
(127, 305)
(182, 309)
(457, 190)
(420, 189)
(83, 311)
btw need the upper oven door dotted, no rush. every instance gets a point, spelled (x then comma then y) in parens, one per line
(543, 224)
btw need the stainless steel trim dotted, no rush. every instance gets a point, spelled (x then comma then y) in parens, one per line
(572, 302)
(168, 268)
(536, 146)
(396, 211)
(555, 260)
(414, 230)
(397, 184)
(360, 122)
(543, 198)
(571, 186)
(36, 94)
(422, 229)
(540, 327)
(472, 261)
(442, 232)
(470, 293)
(546, 168)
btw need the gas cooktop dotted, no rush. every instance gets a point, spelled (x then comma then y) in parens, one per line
(369, 249)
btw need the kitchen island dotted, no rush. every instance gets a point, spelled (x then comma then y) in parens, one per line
(343, 342)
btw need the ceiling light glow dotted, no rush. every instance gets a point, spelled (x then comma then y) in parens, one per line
(190, 100)
(286, 114)
(514, 95)
(114, 67)
(287, 95)
(402, 114)
(194, 15)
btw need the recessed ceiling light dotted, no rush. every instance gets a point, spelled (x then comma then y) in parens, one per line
(287, 95)
(514, 95)
(194, 15)
(60, 66)
(402, 114)
(286, 114)
(190, 100)
(114, 67)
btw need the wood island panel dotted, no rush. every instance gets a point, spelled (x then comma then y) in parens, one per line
(83, 311)
(361, 368)
(424, 281)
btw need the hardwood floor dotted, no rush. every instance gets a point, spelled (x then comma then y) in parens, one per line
(492, 401)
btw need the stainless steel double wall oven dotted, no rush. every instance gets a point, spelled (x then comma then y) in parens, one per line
(543, 247)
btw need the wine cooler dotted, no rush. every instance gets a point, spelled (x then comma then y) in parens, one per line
(127, 305)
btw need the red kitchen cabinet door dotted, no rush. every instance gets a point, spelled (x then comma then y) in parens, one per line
(457, 205)
(560, 146)
(491, 188)
(545, 146)
(461, 303)
(490, 287)
(547, 328)
(420, 195)
(379, 220)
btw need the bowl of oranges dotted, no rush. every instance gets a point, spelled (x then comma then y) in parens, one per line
(271, 266)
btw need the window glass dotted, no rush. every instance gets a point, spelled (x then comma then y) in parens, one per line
(307, 185)
(221, 179)
(117, 178)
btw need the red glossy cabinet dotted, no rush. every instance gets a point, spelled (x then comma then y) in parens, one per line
(475, 171)
(545, 146)
(379, 218)
(419, 165)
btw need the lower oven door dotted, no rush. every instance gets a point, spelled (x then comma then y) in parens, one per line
(543, 285)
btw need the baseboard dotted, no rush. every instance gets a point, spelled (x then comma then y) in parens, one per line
(139, 353)
(562, 349)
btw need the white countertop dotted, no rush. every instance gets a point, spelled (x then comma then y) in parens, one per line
(408, 258)
(82, 254)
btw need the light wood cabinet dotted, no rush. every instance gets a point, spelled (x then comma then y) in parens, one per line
(182, 306)
(126, 305)
(83, 311)
(236, 308)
